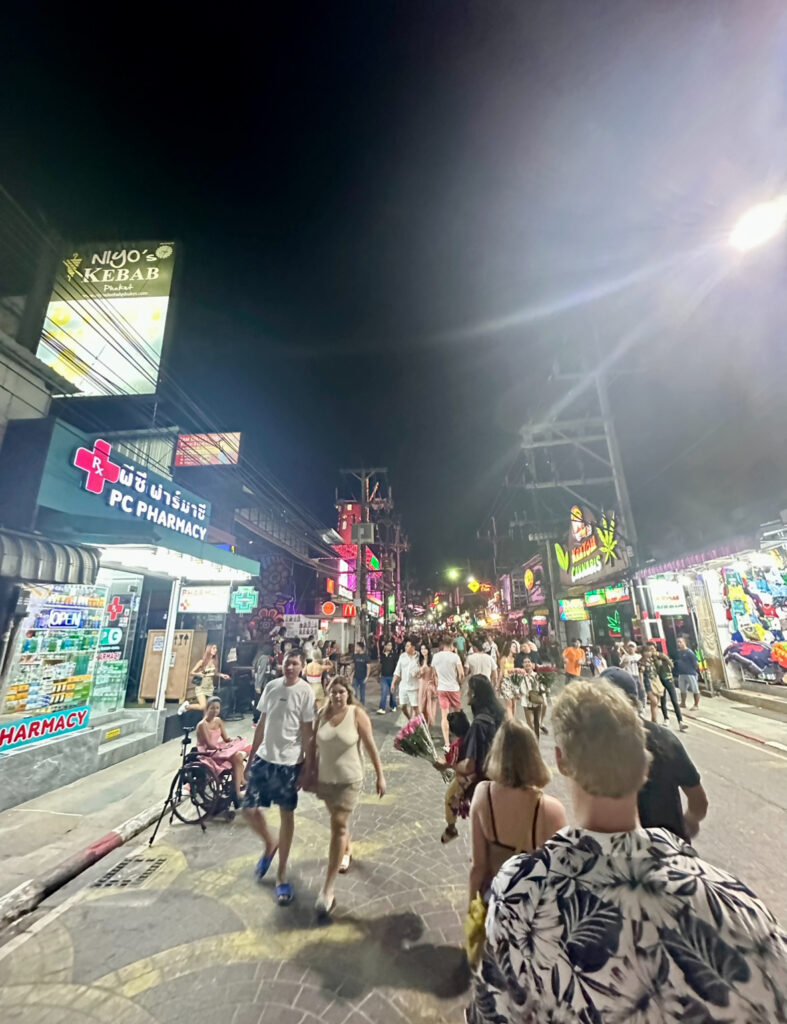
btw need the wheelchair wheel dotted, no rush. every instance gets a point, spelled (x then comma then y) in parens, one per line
(194, 793)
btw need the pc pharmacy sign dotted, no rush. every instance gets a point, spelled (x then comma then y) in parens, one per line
(136, 493)
(594, 550)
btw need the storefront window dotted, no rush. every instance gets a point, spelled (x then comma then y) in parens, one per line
(116, 639)
(54, 648)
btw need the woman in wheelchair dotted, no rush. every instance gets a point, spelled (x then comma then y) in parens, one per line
(213, 742)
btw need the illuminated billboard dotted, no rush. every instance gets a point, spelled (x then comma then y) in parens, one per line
(104, 326)
(207, 450)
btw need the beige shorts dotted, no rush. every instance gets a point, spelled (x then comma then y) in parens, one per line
(342, 796)
(204, 689)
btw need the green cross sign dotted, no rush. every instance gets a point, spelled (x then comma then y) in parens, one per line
(244, 600)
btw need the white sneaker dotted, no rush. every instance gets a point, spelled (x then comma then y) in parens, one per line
(183, 708)
(381, 711)
(684, 727)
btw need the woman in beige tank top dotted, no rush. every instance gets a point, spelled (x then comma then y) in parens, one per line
(342, 727)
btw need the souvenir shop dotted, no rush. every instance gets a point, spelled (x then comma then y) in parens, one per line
(730, 603)
(132, 584)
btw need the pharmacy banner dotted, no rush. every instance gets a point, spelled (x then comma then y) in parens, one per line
(42, 727)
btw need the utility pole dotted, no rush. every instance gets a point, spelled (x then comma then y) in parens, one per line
(363, 476)
(618, 474)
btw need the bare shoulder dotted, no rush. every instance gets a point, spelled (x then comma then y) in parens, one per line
(361, 717)
(553, 812)
(480, 798)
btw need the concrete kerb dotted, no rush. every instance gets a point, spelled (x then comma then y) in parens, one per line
(27, 896)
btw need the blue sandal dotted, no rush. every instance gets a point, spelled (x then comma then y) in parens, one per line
(264, 863)
(284, 894)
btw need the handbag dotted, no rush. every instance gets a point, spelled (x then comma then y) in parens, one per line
(475, 930)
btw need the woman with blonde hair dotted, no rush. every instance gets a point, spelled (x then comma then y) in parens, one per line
(509, 813)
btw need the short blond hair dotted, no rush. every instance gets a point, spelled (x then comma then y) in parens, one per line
(601, 739)
(515, 760)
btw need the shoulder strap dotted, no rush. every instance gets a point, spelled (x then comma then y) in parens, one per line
(535, 821)
(491, 811)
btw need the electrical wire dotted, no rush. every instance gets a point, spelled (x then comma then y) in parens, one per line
(251, 476)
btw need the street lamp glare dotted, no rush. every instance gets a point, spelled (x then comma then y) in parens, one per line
(453, 574)
(760, 224)
(471, 579)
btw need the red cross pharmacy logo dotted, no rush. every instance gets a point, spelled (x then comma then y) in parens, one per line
(97, 466)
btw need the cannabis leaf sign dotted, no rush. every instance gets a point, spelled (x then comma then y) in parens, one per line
(607, 541)
(562, 557)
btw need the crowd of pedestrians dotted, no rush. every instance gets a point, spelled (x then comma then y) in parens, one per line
(599, 912)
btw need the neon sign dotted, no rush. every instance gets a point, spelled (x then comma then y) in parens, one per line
(593, 548)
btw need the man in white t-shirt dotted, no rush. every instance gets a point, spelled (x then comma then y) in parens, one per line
(479, 663)
(282, 742)
(448, 666)
(406, 679)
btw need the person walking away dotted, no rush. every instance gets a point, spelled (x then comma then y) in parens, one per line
(282, 741)
(688, 669)
(461, 644)
(672, 772)
(342, 728)
(450, 675)
(427, 686)
(609, 921)
(213, 742)
(490, 647)
(388, 660)
(314, 675)
(479, 663)
(532, 696)
(663, 666)
(573, 660)
(509, 813)
(405, 680)
(488, 716)
(454, 794)
(360, 671)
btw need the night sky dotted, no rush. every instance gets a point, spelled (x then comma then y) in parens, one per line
(394, 216)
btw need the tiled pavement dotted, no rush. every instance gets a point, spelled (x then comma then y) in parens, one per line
(201, 942)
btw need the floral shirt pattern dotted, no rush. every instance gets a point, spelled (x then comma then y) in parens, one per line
(631, 927)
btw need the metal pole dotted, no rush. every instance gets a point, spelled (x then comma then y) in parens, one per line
(621, 489)
(399, 609)
(169, 643)
(559, 629)
(362, 554)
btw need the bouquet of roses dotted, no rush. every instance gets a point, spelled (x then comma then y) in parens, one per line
(415, 740)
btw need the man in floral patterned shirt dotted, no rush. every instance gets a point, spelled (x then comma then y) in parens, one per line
(610, 923)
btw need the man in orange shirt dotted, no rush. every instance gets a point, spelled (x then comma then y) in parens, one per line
(573, 660)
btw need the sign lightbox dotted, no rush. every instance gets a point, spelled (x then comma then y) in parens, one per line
(207, 450)
(207, 600)
(104, 326)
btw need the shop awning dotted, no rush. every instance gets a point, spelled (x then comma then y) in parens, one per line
(33, 559)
